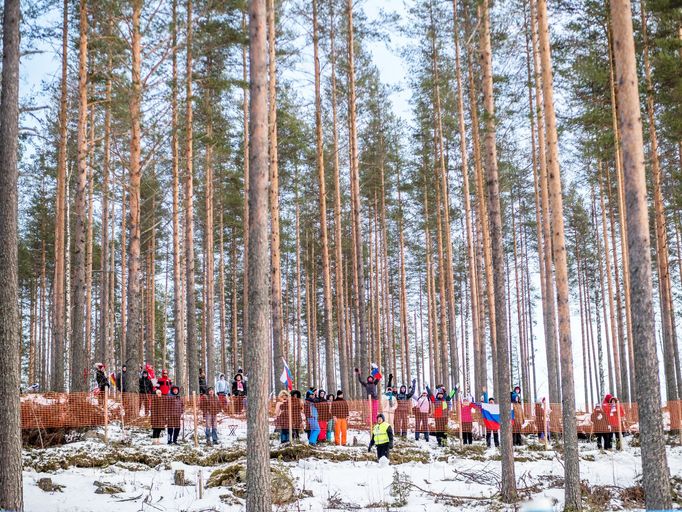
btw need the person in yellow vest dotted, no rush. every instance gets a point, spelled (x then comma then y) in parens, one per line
(382, 437)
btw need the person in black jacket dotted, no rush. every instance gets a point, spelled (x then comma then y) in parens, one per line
(122, 380)
(102, 381)
(239, 391)
(174, 409)
(203, 387)
(382, 437)
(146, 389)
(371, 388)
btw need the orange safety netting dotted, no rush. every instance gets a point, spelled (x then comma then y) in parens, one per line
(76, 410)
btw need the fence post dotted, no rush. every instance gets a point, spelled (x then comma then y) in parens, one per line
(369, 415)
(106, 415)
(544, 423)
(620, 426)
(291, 420)
(679, 418)
(196, 419)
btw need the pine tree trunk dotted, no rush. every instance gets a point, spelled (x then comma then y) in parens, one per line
(276, 282)
(508, 484)
(297, 353)
(570, 433)
(330, 365)
(11, 497)
(105, 346)
(221, 283)
(209, 311)
(79, 357)
(625, 341)
(609, 331)
(246, 161)
(445, 204)
(656, 477)
(404, 325)
(178, 324)
(344, 359)
(464, 155)
(59, 312)
(190, 290)
(258, 367)
(134, 322)
(483, 226)
(667, 314)
(89, 232)
(549, 306)
(124, 273)
(363, 346)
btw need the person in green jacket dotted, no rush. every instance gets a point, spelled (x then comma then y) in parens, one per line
(382, 437)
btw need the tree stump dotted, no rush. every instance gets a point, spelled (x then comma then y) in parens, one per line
(179, 477)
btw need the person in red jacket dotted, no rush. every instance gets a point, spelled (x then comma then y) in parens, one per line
(616, 414)
(164, 383)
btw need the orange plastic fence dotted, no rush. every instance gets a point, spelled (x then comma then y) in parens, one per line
(74, 410)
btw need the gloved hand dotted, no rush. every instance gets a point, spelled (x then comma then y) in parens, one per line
(390, 376)
(357, 371)
(369, 449)
(390, 446)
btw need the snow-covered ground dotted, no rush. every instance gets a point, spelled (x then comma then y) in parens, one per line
(427, 478)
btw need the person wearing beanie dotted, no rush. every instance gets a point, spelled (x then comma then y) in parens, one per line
(382, 437)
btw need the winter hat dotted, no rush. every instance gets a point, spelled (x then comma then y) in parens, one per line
(380, 415)
(164, 372)
(339, 394)
(175, 390)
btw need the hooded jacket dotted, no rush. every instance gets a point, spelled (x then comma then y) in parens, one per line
(370, 387)
(236, 391)
(164, 383)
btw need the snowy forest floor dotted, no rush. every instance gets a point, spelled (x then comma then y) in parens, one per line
(130, 474)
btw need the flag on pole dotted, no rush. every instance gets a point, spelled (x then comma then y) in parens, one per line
(375, 372)
(286, 377)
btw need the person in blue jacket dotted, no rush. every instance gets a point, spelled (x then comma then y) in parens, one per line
(311, 415)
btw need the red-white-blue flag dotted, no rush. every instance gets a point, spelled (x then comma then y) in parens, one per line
(375, 373)
(286, 377)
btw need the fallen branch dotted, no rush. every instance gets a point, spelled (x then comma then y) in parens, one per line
(134, 498)
(452, 496)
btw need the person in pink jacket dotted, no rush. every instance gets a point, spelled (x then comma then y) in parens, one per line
(467, 421)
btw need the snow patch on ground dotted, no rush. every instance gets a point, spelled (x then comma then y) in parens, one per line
(443, 483)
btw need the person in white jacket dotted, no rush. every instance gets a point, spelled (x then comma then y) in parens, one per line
(422, 408)
(221, 390)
